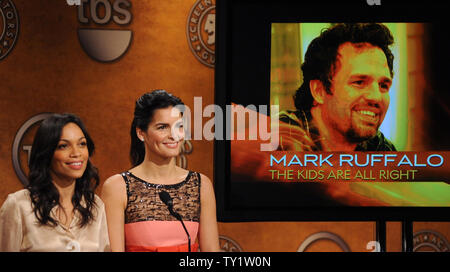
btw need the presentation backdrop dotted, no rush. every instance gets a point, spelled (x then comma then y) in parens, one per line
(95, 58)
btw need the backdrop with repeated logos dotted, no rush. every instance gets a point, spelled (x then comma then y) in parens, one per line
(94, 60)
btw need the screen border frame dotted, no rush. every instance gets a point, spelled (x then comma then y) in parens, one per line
(223, 78)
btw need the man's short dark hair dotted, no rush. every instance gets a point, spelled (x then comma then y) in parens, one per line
(322, 53)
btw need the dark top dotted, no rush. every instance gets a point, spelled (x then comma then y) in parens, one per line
(144, 204)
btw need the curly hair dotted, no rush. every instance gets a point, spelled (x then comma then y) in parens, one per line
(143, 113)
(43, 193)
(321, 55)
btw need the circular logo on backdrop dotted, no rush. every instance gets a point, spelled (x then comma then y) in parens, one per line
(324, 236)
(429, 240)
(186, 149)
(104, 45)
(21, 148)
(9, 27)
(228, 245)
(201, 31)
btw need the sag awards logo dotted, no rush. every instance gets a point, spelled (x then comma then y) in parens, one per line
(200, 31)
(186, 149)
(323, 236)
(104, 45)
(21, 148)
(228, 245)
(429, 240)
(9, 26)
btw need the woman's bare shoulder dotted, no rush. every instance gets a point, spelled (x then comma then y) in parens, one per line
(114, 185)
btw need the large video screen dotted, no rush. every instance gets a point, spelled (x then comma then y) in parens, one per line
(332, 118)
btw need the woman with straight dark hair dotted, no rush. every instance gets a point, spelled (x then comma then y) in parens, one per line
(58, 211)
(139, 218)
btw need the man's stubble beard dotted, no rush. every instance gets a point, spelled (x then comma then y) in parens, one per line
(358, 135)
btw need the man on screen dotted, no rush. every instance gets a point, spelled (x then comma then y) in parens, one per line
(347, 74)
(344, 97)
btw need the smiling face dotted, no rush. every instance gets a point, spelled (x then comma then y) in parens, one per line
(360, 92)
(164, 135)
(71, 154)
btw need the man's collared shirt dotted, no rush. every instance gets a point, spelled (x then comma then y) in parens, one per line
(300, 120)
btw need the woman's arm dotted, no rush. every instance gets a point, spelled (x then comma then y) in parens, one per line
(114, 195)
(10, 226)
(209, 234)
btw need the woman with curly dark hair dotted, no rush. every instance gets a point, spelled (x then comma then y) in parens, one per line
(58, 211)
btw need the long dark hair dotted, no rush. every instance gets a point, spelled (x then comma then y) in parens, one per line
(322, 54)
(43, 193)
(143, 113)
